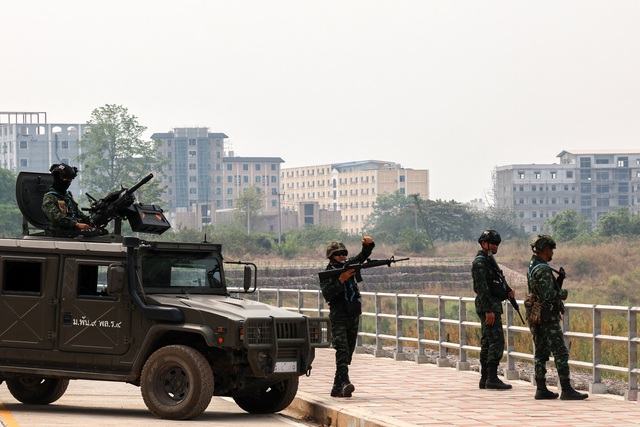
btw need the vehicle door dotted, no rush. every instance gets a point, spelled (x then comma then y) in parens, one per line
(28, 301)
(93, 320)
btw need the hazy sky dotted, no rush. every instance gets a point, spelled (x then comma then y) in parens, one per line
(456, 87)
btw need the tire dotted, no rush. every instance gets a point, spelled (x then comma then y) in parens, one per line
(37, 390)
(177, 383)
(272, 399)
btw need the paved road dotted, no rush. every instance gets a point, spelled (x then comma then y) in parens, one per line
(97, 404)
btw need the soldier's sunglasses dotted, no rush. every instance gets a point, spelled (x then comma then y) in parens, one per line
(341, 253)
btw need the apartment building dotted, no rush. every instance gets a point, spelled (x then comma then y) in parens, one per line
(349, 188)
(203, 179)
(29, 143)
(591, 182)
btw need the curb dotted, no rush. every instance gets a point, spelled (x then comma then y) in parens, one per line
(329, 412)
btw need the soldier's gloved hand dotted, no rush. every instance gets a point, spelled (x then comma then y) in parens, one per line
(561, 276)
(346, 275)
(564, 294)
(368, 241)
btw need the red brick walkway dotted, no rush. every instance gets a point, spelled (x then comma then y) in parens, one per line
(390, 393)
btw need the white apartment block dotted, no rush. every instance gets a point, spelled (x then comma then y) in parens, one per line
(591, 182)
(350, 188)
(28, 143)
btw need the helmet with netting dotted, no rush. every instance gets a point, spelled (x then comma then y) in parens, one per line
(63, 170)
(490, 236)
(334, 247)
(541, 241)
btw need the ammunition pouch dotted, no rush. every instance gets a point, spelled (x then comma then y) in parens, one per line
(537, 312)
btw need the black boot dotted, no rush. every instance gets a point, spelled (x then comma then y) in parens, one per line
(346, 387)
(483, 376)
(336, 390)
(568, 393)
(542, 392)
(493, 382)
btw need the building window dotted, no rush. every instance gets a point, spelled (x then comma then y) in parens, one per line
(554, 175)
(64, 145)
(258, 180)
(274, 167)
(534, 228)
(192, 142)
(229, 203)
(24, 163)
(193, 191)
(192, 153)
(520, 174)
(230, 191)
(229, 179)
(569, 174)
(192, 166)
(536, 175)
(534, 214)
(245, 166)
(258, 166)
(602, 176)
(401, 178)
(623, 162)
(245, 178)
(193, 178)
(229, 166)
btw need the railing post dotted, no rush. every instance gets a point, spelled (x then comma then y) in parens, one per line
(597, 387)
(442, 335)
(462, 365)
(511, 373)
(378, 352)
(420, 357)
(300, 301)
(632, 393)
(399, 353)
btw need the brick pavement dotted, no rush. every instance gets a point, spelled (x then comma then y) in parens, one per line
(393, 393)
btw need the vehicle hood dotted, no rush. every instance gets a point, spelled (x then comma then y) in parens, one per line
(233, 308)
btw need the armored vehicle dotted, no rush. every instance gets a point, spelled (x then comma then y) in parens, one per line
(157, 315)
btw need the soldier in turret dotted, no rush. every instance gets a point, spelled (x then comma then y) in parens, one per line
(62, 211)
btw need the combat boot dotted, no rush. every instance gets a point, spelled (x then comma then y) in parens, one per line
(568, 392)
(336, 390)
(347, 387)
(483, 376)
(542, 392)
(493, 382)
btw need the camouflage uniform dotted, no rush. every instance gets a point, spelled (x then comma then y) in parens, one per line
(63, 212)
(484, 274)
(548, 336)
(344, 322)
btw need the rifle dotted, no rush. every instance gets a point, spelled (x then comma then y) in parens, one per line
(357, 266)
(119, 204)
(512, 301)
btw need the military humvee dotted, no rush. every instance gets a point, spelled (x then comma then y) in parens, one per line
(157, 315)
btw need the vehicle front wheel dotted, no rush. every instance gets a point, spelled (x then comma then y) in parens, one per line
(177, 383)
(37, 390)
(271, 399)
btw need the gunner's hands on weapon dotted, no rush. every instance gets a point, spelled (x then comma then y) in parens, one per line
(83, 226)
(346, 275)
(490, 318)
(511, 294)
(367, 241)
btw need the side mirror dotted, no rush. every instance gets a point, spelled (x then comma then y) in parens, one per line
(247, 278)
(115, 279)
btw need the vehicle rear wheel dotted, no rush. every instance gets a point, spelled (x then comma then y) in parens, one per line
(177, 383)
(271, 399)
(37, 390)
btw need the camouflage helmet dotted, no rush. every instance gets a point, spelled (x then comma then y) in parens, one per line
(334, 247)
(541, 241)
(490, 236)
(63, 170)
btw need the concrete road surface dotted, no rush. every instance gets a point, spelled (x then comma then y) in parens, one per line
(98, 403)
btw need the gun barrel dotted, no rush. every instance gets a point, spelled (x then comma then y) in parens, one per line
(142, 182)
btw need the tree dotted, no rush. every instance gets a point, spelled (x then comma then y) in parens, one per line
(615, 223)
(249, 206)
(566, 225)
(504, 221)
(114, 154)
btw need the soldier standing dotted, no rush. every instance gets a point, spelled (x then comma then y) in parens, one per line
(490, 291)
(547, 332)
(65, 218)
(345, 306)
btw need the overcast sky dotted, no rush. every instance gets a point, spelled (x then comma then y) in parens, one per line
(456, 87)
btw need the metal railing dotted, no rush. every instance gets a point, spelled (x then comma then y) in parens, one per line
(394, 313)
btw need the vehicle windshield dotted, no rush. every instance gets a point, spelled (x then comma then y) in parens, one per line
(186, 272)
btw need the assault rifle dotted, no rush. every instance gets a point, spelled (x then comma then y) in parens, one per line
(120, 204)
(357, 266)
(513, 301)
